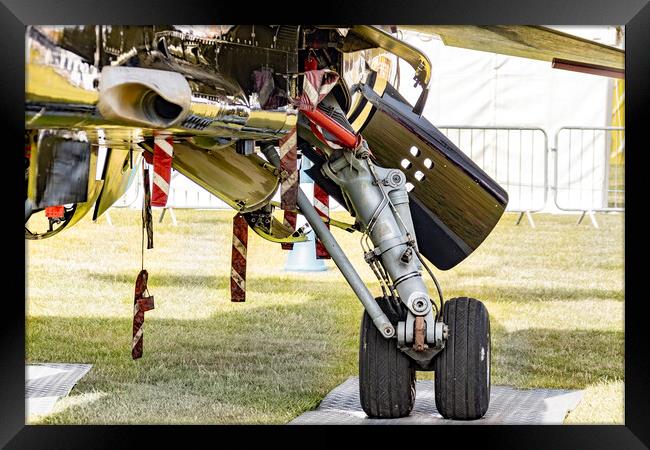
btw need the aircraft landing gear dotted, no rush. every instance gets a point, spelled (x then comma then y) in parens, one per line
(405, 331)
(454, 341)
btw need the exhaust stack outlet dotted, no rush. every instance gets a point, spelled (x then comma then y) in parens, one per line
(146, 97)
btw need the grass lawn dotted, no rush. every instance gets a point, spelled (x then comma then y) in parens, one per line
(555, 297)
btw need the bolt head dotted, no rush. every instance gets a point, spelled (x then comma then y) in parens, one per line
(420, 305)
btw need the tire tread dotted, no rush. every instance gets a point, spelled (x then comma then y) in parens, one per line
(461, 390)
(386, 377)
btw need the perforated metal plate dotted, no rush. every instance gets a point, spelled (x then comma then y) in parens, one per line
(507, 406)
(45, 383)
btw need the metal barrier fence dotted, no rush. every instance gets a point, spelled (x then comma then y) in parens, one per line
(515, 157)
(186, 196)
(590, 169)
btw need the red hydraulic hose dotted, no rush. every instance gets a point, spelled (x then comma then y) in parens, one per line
(344, 137)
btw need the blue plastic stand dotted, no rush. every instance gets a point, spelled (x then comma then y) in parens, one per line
(303, 256)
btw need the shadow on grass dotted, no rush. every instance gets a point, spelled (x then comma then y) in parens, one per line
(265, 364)
(556, 358)
(270, 363)
(296, 282)
(534, 294)
(255, 283)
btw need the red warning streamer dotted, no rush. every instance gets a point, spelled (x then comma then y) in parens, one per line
(290, 180)
(290, 218)
(289, 170)
(140, 305)
(163, 150)
(322, 205)
(238, 259)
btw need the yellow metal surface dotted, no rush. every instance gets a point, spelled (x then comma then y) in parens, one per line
(94, 189)
(243, 182)
(407, 52)
(82, 208)
(379, 87)
(280, 233)
(44, 83)
(616, 182)
(33, 166)
(117, 172)
(333, 222)
(534, 42)
(342, 225)
(272, 120)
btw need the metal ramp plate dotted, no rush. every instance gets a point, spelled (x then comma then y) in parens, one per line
(45, 383)
(508, 406)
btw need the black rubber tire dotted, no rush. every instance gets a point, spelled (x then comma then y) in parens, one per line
(386, 377)
(462, 368)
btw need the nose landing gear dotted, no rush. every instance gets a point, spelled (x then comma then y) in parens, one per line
(400, 332)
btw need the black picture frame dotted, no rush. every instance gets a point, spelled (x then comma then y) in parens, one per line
(15, 14)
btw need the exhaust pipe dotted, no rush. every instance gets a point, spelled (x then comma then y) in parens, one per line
(162, 99)
(56, 97)
(146, 97)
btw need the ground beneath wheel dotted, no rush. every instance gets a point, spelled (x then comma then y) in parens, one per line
(508, 406)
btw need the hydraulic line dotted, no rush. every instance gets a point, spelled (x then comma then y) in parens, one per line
(435, 281)
(381, 282)
(338, 256)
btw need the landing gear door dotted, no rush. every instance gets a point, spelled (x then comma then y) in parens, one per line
(58, 171)
(454, 203)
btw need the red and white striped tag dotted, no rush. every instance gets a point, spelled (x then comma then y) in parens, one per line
(315, 87)
(141, 303)
(322, 205)
(163, 151)
(238, 259)
(289, 167)
(290, 219)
